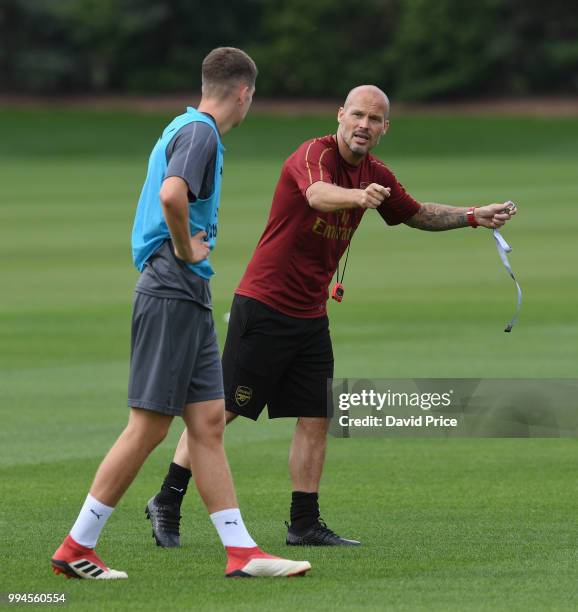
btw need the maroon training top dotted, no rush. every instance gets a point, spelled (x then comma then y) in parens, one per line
(298, 252)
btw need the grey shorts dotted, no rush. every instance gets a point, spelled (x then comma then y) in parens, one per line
(174, 355)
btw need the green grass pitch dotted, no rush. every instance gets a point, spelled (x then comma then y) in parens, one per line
(446, 525)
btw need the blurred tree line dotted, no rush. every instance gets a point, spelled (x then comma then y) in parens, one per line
(415, 49)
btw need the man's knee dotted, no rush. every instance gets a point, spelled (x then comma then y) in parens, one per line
(312, 428)
(150, 428)
(206, 421)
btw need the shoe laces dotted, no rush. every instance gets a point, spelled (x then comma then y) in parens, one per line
(321, 530)
(324, 531)
(168, 519)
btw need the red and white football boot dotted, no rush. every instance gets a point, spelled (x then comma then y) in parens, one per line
(253, 562)
(76, 561)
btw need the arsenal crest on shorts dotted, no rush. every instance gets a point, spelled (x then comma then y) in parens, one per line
(243, 395)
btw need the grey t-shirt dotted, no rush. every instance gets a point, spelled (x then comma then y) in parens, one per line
(191, 155)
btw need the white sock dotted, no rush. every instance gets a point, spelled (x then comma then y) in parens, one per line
(231, 529)
(92, 518)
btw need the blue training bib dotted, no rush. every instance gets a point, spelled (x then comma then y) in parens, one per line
(150, 229)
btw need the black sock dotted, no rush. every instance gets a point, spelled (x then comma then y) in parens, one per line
(175, 485)
(304, 511)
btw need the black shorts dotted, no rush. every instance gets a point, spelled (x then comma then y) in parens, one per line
(271, 358)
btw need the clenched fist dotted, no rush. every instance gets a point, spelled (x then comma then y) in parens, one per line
(373, 195)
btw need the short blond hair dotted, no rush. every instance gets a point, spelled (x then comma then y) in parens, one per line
(225, 68)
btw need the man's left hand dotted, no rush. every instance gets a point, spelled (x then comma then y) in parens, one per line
(494, 216)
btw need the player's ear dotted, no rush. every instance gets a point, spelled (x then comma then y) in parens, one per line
(340, 113)
(242, 94)
(385, 127)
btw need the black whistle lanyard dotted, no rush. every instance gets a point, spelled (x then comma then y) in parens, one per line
(338, 290)
(340, 280)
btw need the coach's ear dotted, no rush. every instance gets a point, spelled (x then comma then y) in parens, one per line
(385, 127)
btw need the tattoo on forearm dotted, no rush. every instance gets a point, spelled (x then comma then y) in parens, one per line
(438, 217)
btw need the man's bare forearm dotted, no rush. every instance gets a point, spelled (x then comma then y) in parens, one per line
(438, 217)
(175, 205)
(177, 217)
(328, 198)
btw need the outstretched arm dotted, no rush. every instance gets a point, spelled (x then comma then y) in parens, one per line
(439, 217)
(329, 198)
